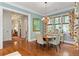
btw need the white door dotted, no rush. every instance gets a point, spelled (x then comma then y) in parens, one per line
(24, 27)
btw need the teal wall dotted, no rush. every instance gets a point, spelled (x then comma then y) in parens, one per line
(33, 15)
(33, 33)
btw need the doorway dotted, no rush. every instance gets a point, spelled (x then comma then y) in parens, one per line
(19, 25)
(14, 25)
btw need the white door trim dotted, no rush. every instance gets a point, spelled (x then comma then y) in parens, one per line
(1, 28)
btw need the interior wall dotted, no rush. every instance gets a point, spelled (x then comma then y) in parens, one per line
(1, 28)
(7, 28)
(33, 34)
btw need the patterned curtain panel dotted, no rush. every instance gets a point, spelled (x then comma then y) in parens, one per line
(74, 25)
(71, 24)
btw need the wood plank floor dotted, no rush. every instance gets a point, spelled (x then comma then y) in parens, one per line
(33, 49)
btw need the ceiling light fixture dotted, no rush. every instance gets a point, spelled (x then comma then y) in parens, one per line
(45, 19)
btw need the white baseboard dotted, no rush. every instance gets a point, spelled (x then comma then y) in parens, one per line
(32, 40)
(7, 39)
(70, 42)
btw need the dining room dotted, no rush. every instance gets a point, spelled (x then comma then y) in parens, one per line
(50, 28)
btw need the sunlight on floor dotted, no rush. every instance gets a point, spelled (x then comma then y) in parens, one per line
(14, 54)
(15, 43)
(65, 53)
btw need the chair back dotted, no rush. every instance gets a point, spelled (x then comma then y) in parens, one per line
(56, 40)
(39, 38)
(56, 37)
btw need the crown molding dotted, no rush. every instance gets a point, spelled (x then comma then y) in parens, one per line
(32, 11)
(60, 11)
(27, 9)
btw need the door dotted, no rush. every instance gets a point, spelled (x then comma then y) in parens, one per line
(24, 27)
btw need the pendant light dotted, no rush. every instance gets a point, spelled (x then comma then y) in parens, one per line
(45, 19)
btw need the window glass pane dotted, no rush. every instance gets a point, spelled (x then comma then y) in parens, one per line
(66, 28)
(57, 26)
(66, 19)
(49, 28)
(59, 19)
(53, 21)
(56, 20)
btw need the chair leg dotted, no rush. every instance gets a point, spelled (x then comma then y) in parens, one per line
(50, 45)
(56, 48)
(42, 45)
(60, 46)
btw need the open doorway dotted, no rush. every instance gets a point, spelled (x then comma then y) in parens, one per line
(19, 25)
(14, 25)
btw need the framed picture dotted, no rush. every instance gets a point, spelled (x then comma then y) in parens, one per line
(36, 24)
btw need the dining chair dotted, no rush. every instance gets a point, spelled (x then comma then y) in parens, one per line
(55, 41)
(39, 39)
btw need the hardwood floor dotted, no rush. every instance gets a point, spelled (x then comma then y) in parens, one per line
(33, 49)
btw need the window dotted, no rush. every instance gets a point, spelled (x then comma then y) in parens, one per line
(57, 26)
(66, 24)
(66, 19)
(57, 20)
(49, 28)
(66, 28)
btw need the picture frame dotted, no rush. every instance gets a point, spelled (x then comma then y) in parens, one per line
(36, 24)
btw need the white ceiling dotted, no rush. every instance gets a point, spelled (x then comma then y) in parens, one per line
(39, 7)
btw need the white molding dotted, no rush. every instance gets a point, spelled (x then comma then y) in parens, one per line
(32, 11)
(32, 40)
(1, 28)
(13, 10)
(27, 9)
(29, 30)
(27, 14)
(60, 11)
(9, 39)
(69, 42)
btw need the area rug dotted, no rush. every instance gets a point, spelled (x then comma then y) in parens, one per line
(14, 54)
